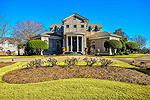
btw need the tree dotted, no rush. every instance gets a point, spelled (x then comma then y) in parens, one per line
(113, 44)
(4, 27)
(124, 36)
(139, 40)
(132, 46)
(26, 29)
(123, 46)
(36, 44)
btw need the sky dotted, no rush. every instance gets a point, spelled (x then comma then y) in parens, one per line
(132, 16)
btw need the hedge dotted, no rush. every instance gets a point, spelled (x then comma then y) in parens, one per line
(36, 44)
(114, 44)
(20, 45)
(132, 46)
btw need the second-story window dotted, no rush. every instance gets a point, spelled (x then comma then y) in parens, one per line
(82, 26)
(75, 26)
(89, 29)
(55, 29)
(95, 29)
(61, 30)
(67, 26)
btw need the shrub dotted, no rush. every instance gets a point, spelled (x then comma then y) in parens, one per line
(114, 44)
(115, 53)
(51, 61)
(90, 61)
(126, 53)
(123, 46)
(121, 53)
(132, 46)
(105, 62)
(37, 63)
(21, 45)
(71, 61)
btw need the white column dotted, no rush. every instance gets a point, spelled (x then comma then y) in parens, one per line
(77, 44)
(82, 43)
(71, 43)
(67, 43)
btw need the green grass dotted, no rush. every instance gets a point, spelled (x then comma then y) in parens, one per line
(130, 55)
(71, 88)
(9, 57)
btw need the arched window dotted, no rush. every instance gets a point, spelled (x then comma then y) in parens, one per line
(93, 44)
(95, 29)
(55, 29)
(58, 46)
(89, 29)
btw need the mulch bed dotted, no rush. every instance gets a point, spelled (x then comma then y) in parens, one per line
(34, 75)
(144, 64)
(3, 64)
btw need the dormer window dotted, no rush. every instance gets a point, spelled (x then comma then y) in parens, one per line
(82, 26)
(75, 26)
(61, 30)
(67, 26)
(89, 29)
(55, 29)
(95, 29)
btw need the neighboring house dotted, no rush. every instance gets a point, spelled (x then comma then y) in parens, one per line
(8, 46)
(75, 34)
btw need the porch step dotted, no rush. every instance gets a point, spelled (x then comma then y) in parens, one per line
(74, 53)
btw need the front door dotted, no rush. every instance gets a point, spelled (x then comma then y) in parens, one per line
(74, 44)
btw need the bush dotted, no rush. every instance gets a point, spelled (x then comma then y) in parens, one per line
(71, 61)
(21, 45)
(132, 46)
(123, 46)
(126, 53)
(51, 61)
(114, 44)
(121, 53)
(105, 62)
(115, 54)
(90, 61)
(36, 63)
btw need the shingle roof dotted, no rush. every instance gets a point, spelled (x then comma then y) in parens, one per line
(58, 25)
(93, 25)
(50, 34)
(105, 33)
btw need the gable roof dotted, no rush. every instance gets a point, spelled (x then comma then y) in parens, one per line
(53, 25)
(83, 18)
(105, 33)
(93, 25)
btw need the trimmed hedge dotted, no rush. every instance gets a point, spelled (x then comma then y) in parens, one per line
(114, 44)
(36, 44)
(123, 46)
(132, 46)
(20, 45)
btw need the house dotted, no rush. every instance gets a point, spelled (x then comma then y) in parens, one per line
(8, 46)
(75, 34)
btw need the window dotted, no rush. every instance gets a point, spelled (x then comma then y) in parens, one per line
(95, 29)
(93, 44)
(74, 17)
(58, 44)
(67, 26)
(55, 29)
(82, 26)
(75, 26)
(61, 30)
(105, 49)
(89, 30)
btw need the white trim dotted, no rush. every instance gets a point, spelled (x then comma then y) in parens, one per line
(77, 44)
(74, 33)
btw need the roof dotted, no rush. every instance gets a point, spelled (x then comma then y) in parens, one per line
(49, 34)
(58, 25)
(105, 33)
(75, 14)
(9, 40)
(93, 25)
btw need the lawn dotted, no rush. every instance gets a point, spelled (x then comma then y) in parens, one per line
(130, 55)
(10, 57)
(76, 88)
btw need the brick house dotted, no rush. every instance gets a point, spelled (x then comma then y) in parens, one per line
(75, 34)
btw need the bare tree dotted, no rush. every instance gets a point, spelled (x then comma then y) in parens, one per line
(4, 27)
(26, 29)
(140, 40)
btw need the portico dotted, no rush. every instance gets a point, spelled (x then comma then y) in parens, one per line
(74, 43)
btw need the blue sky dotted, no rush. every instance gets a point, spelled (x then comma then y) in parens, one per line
(133, 16)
